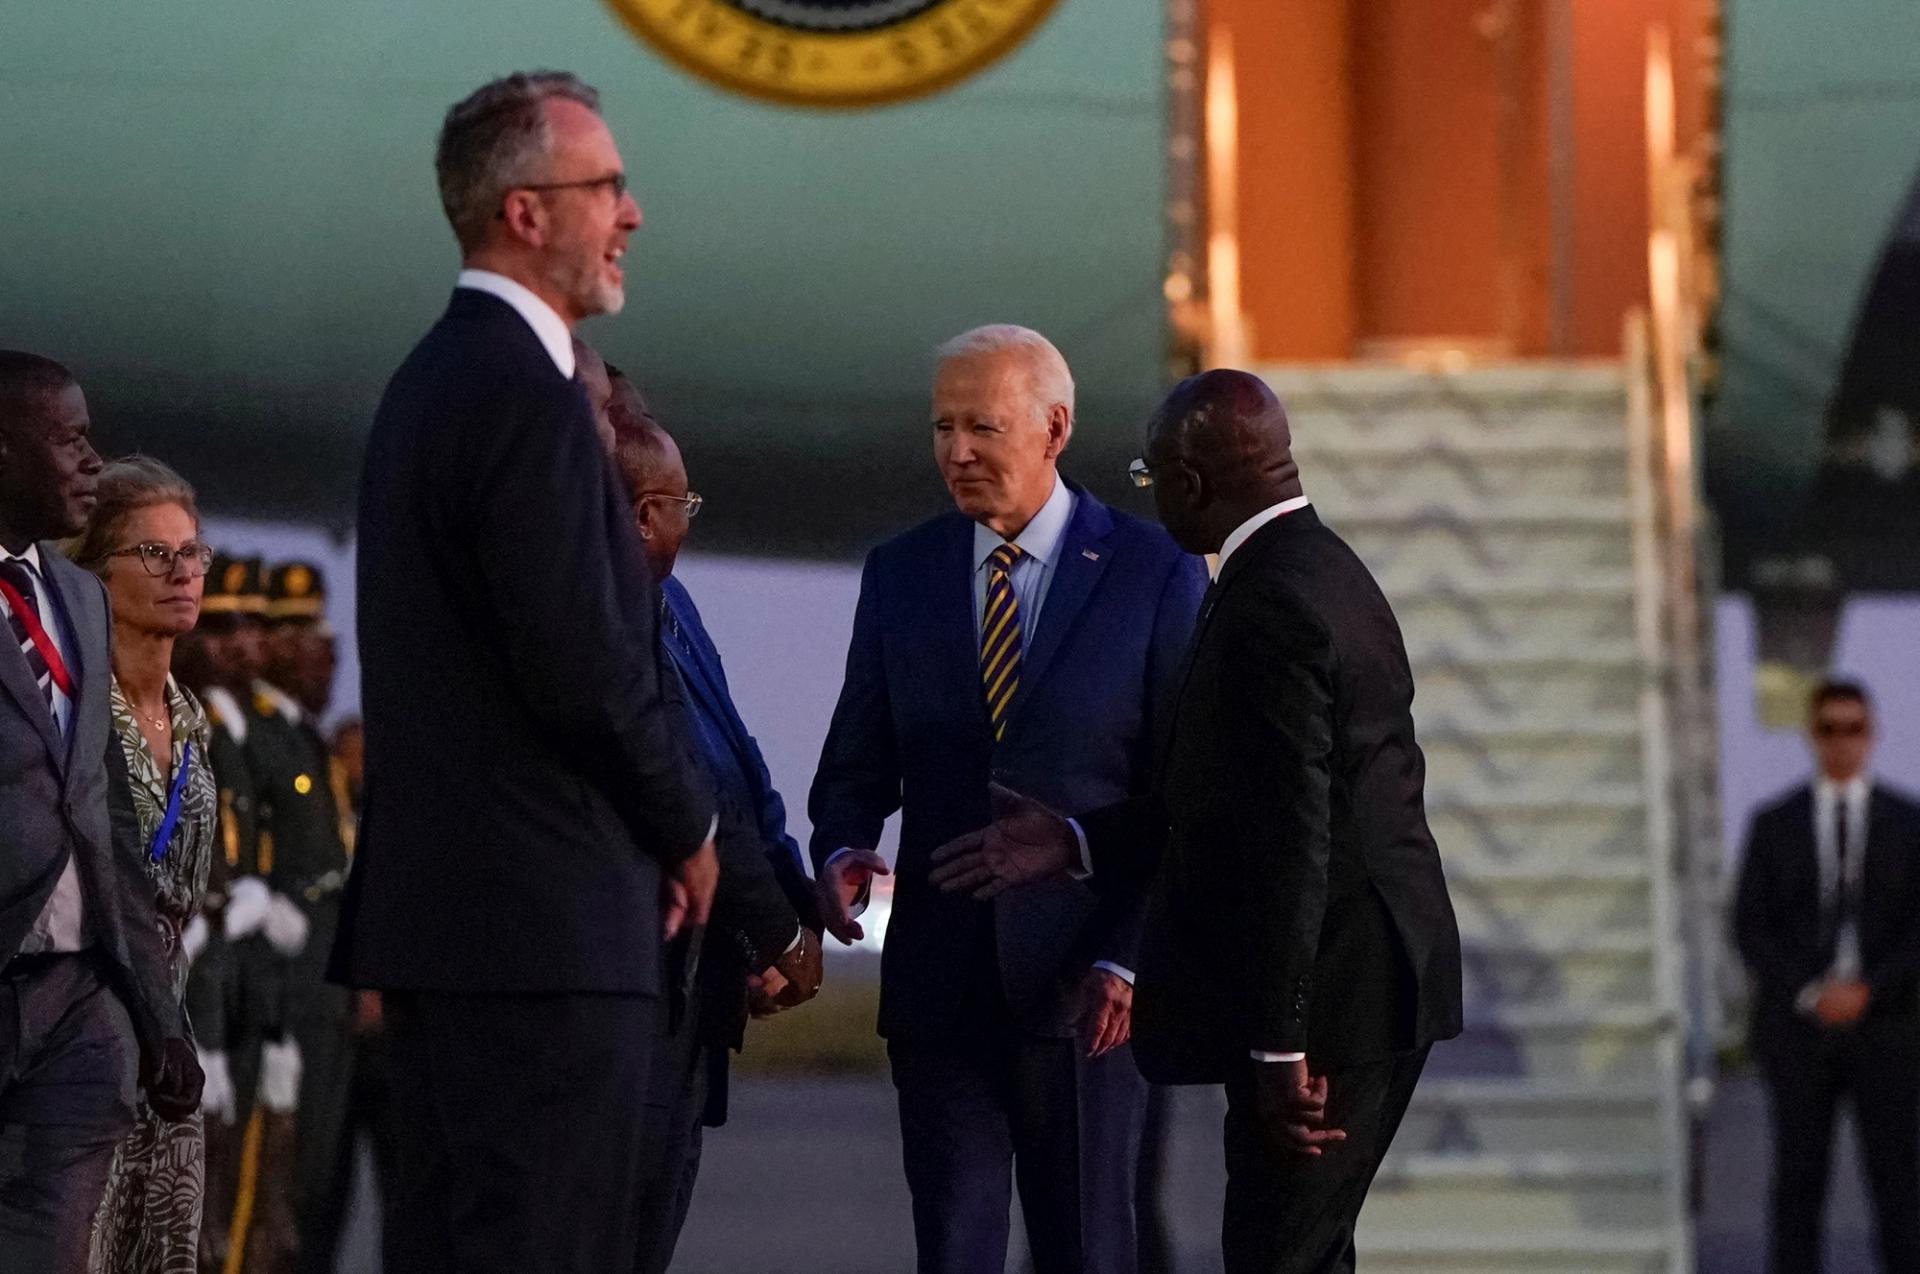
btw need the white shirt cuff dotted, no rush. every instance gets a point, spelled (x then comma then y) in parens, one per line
(1086, 855)
(866, 891)
(799, 936)
(1259, 1056)
(1119, 971)
(1809, 998)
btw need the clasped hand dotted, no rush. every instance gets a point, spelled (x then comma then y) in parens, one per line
(1290, 1108)
(788, 982)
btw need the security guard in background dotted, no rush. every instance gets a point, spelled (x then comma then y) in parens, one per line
(304, 825)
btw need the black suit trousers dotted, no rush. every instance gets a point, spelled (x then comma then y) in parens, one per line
(671, 1137)
(1808, 1071)
(1290, 1214)
(520, 1123)
(1005, 1110)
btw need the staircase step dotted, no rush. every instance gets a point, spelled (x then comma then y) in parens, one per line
(1557, 762)
(1614, 969)
(1555, 619)
(1536, 552)
(1420, 438)
(1459, 687)
(1530, 1116)
(1545, 836)
(1517, 906)
(1569, 1251)
(1490, 1192)
(1619, 1044)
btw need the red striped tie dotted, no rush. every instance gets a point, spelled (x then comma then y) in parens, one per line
(23, 614)
(1000, 637)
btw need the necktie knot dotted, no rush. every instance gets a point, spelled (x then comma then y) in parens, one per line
(1004, 557)
(19, 573)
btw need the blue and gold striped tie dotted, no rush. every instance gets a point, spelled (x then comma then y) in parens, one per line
(1000, 637)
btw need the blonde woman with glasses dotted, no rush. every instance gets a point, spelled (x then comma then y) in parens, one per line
(144, 542)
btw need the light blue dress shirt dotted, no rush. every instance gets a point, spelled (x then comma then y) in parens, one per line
(1039, 543)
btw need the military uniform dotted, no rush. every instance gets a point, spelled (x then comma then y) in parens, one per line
(303, 825)
(232, 993)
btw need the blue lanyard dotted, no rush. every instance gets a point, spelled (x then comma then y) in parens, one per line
(164, 832)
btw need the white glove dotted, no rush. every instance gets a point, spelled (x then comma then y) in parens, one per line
(217, 1097)
(285, 926)
(246, 907)
(280, 1076)
(193, 940)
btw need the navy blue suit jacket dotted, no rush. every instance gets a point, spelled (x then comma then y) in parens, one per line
(760, 818)
(911, 733)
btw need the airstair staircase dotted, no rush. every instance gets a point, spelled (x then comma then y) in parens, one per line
(1495, 506)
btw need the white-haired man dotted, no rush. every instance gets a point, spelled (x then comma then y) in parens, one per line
(534, 815)
(1029, 637)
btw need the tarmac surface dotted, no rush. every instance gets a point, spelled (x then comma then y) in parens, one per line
(806, 1177)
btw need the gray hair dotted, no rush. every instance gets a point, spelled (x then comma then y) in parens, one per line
(495, 139)
(126, 486)
(1052, 382)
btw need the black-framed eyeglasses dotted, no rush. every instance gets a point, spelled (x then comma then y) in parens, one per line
(1142, 473)
(691, 501)
(159, 559)
(1840, 729)
(617, 182)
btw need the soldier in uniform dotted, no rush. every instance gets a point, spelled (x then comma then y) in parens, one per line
(233, 990)
(302, 820)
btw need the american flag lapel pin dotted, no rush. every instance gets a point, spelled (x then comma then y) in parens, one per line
(1090, 555)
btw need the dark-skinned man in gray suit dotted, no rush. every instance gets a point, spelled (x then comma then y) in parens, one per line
(84, 989)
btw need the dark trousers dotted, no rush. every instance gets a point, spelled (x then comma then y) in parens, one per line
(980, 1115)
(343, 1092)
(69, 1070)
(1289, 1214)
(519, 1131)
(670, 1152)
(1808, 1071)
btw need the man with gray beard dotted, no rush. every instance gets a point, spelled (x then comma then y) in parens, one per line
(534, 818)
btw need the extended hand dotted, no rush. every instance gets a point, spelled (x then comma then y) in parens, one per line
(1291, 1106)
(686, 890)
(1842, 1003)
(842, 883)
(1025, 842)
(1105, 1017)
(173, 1080)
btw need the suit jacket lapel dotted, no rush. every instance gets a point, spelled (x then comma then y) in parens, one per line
(701, 675)
(18, 680)
(86, 623)
(955, 633)
(1078, 566)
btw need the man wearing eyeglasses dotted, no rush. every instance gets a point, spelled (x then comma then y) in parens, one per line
(1031, 636)
(761, 951)
(1827, 919)
(535, 822)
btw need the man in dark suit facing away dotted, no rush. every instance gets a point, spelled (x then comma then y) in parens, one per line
(1827, 919)
(87, 1009)
(534, 816)
(1032, 635)
(762, 943)
(1300, 944)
